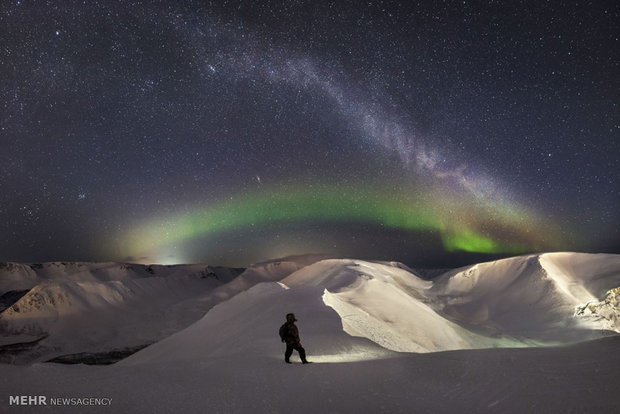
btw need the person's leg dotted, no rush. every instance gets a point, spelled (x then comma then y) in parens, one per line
(288, 353)
(302, 353)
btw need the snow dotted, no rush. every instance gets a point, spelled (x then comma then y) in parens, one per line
(381, 339)
(126, 305)
(605, 312)
(530, 298)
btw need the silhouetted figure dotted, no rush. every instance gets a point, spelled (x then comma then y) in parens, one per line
(290, 334)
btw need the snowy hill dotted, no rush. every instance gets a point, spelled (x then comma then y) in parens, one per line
(79, 307)
(530, 297)
(522, 301)
(19, 276)
(98, 307)
(372, 329)
(517, 302)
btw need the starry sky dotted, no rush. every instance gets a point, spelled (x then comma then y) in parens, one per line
(436, 133)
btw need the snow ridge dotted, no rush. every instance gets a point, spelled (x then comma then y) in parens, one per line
(370, 326)
(379, 307)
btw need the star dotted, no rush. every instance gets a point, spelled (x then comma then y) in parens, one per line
(425, 133)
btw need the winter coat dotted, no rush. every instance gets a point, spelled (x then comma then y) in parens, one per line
(292, 337)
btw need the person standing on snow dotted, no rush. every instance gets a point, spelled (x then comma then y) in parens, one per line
(290, 334)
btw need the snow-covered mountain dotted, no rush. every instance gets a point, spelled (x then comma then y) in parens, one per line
(531, 298)
(79, 307)
(521, 301)
(71, 308)
(372, 329)
(19, 276)
(517, 302)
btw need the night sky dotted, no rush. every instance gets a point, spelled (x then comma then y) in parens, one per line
(233, 132)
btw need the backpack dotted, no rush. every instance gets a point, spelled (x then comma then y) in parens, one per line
(283, 332)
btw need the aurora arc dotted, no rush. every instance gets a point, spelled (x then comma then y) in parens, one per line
(332, 204)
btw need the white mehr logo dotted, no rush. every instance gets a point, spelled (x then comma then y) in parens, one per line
(27, 400)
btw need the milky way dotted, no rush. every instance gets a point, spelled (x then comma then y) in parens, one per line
(234, 132)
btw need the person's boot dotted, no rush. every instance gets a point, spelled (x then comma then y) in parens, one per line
(287, 361)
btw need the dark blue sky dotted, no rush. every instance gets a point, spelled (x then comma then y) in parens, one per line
(234, 132)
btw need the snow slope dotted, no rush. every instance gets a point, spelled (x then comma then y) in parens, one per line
(350, 312)
(18, 276)
(530, 298)
(573, 379)
(94, 316)
(521, 301)
(512, 302)
(98, 307)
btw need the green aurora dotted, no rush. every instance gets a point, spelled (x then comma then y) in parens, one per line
(332, 204)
